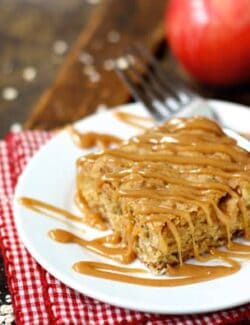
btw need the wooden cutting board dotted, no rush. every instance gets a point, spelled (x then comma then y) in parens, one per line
(87, 80)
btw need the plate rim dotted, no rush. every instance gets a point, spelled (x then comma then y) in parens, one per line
(72, 283)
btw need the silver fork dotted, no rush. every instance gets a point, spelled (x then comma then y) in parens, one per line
(161, 93)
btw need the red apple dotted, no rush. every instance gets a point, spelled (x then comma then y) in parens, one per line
(211, 38)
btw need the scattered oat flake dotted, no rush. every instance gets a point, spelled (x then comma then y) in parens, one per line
(108, 65)
(113, 36)
(8, 297)
(9, 93)
(89, 70)
(101, 108)
(15, 127)
(95, 77)
(6, 309)
(9, 319)
(29, 73)
(93, 2)
(86, 58)
(60, 47)
(122, 63)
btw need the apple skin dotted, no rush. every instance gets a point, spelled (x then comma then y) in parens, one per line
(211, 39)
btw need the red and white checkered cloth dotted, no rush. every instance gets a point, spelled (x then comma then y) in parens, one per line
(38, 297)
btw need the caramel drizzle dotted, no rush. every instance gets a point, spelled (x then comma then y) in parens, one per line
(46, 208)
(183, 274)
(134, 120)
(195, 171)
(112, 247)
(160, 194)
(197, 136)
(187, 143)
(89, 140)
(209, 148)
(89, 218)
(185, 138)
(188, 273)
(100, 246)
(180, 160)
(196, 123)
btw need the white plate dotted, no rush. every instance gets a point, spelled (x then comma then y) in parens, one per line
(50, 177)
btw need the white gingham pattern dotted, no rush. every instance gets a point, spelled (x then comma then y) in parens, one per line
(38, 297)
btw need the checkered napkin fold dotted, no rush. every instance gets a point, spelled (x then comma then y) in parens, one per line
(38, 297)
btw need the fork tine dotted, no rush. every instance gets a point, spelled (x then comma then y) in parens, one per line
(151, 87)
(184, 94)
(161, 86)
(138, 92)
(166, 105)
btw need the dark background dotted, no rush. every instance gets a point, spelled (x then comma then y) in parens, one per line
(28, 32)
